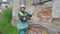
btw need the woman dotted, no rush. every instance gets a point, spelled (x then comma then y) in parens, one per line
(23, 17)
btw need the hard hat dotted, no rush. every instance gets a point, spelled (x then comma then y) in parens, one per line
(22, 6)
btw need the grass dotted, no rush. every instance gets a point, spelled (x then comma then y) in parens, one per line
(5, 26)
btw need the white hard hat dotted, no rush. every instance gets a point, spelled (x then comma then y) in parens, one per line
(22, 6)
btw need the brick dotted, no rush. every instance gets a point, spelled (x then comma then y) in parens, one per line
(56, 20)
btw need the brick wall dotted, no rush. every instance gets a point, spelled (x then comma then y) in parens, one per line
(41, 11)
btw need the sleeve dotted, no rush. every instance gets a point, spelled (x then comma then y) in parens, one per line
(29, 15)
(20, 17)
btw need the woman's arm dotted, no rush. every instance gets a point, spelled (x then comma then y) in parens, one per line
(29, 15)
(20, 17)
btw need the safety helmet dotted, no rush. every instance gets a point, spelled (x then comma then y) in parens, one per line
(23, 6)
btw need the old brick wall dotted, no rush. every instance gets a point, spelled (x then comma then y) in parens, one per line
(40, 12)
(43, 12)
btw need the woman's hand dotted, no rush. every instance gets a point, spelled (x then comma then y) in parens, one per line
(24, 18)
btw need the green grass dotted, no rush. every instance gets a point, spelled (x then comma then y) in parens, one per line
(5, 26)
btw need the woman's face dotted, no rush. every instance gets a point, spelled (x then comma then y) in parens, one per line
(22, 9)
